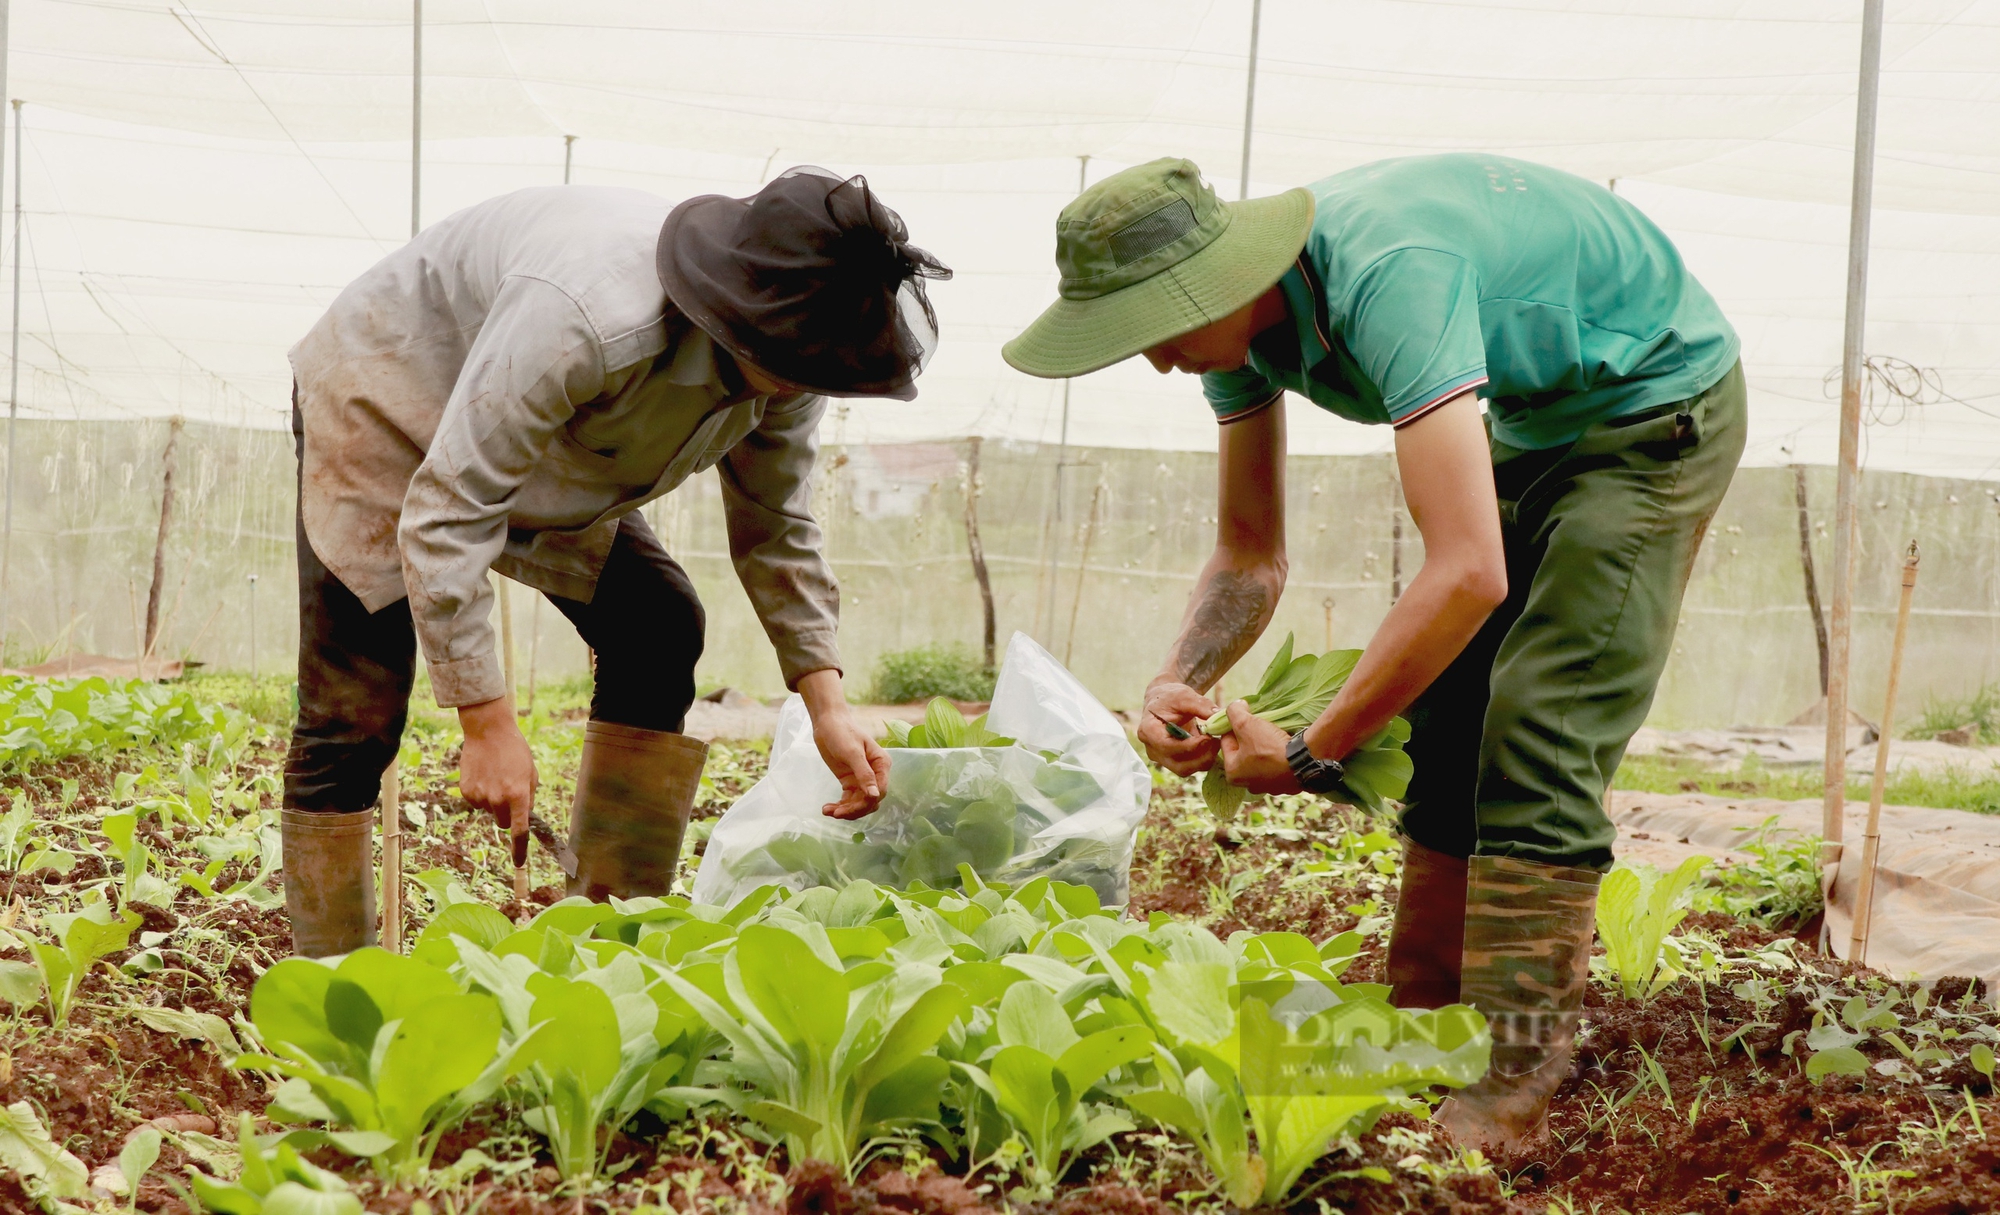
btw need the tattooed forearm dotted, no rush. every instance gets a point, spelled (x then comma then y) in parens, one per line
(1229, 612)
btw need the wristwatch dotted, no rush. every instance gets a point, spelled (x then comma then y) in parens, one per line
(1315, 775)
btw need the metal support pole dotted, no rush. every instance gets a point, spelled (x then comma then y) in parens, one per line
(253, 628)
(1841, 626)
(416, 115)
(7, 542)
(569, 152)
(13, 400)
(1052, 528)
(1250, 97)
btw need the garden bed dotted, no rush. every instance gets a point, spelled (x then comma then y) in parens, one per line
(1695, 1100)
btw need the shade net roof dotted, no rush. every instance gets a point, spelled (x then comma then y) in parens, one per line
(201, 179)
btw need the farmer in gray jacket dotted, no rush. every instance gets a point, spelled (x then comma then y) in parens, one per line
(503, 393)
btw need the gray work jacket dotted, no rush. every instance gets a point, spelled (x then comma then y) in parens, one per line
(497, 392)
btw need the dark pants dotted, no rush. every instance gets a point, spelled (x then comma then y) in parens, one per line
(1515, 744)
(356, 667)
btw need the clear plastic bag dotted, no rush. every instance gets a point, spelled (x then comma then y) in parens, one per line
(1064, 801)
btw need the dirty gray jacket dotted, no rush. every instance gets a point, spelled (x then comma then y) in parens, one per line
(496, 393)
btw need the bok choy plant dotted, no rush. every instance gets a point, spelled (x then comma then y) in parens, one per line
(1637, 907)
(382, 1044)
(1291, 695)
(1043, 1068)
(84, 937)
(825, 1057)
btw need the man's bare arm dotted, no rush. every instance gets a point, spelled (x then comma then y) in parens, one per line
(1235, 596)
(1448, 483)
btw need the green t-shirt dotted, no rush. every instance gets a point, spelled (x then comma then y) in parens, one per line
(1557, 300)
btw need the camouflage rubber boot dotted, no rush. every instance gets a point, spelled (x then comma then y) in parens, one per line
(634, 790)
(1528, 930)
(329, 880)
(1429, 932)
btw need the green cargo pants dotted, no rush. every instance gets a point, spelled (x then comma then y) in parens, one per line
(1516, 742)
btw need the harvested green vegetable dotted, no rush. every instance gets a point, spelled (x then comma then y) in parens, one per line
(944, 726)
(961, 796)
(1291, 696)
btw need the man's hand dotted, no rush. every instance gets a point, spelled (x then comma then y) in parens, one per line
(1176, 704)
(496, 771)
(859, 762)
(1253, 753)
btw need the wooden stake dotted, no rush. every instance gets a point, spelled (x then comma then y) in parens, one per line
(392, 857)
(1864, 902)
(534, 645)
(973, 543)
(506, 595)
(1082, 569)
(160, 542)
(138, 630)
(1812, 575)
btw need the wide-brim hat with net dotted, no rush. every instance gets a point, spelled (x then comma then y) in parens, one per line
(1150, 254)
(812, 280)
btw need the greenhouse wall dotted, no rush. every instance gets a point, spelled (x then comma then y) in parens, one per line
(1103, 586)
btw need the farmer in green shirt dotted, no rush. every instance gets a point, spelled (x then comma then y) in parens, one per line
(1568, 409)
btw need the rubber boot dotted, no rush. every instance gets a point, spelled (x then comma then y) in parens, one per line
(329, 880)
(1528, 929)
(1429, 932)
(633, 793)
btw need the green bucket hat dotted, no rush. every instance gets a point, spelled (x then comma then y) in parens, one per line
(1149, 254)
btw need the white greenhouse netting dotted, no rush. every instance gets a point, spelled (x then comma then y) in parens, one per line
(201, 179)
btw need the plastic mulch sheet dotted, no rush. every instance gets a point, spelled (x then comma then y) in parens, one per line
(1937, 880)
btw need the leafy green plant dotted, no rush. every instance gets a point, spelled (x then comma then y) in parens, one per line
(825, 1066)
(925, 671)
(382, 1044)
(136, 881)
(594, 1059)
(1636, 908)
(49, 719)
(273, 1181)
(86, 937)
(1781, 887)
(981, 802)
(944, 726)
(46, 1170)
(1291, 695)
(1042, 1070)
(1266, 1033)
(139, 1154)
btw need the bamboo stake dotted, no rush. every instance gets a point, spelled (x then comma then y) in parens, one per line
(518, 826)
(534, 647)
(1864, 902)
(138, 630)
(506, 595)
(392, 856)
(1082, 569)
(160, 542)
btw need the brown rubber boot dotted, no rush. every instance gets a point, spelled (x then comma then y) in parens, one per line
(329, 880)
(1429, 932)
(633, 793)
(1528, 930)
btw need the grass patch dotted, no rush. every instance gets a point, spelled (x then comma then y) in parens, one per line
(1981, 709)
(924, 671)
(1952, 789)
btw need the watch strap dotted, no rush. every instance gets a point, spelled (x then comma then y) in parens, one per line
(1315, 775)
